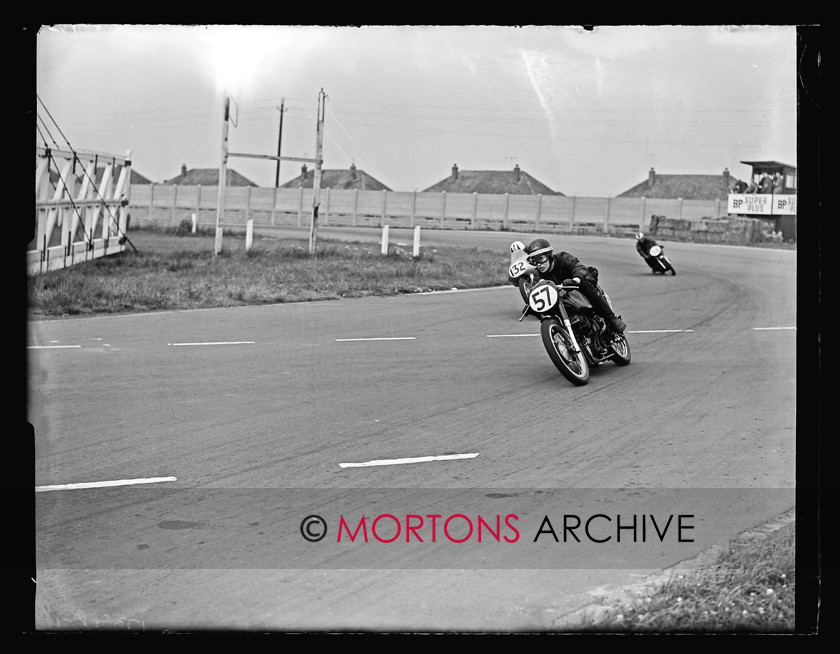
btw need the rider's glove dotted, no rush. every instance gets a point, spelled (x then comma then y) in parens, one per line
(571, 282)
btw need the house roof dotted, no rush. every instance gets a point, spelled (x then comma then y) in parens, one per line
(351, 178)
(687, 187)
(136, 178)
(208, 177)
(514, 182)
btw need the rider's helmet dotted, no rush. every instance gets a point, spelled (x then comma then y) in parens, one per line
(539, 254)
(517, 245)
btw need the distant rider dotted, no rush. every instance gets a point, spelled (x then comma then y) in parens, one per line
(644, 244)
(564, 268)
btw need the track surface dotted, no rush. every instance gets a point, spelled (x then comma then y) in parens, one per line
(247, 415)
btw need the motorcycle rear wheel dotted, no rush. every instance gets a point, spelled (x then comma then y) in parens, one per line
(558, 344)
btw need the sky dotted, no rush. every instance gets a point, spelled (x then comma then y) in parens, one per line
(586, 112)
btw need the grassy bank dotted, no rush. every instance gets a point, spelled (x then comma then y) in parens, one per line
(749, 588)
(169, 271)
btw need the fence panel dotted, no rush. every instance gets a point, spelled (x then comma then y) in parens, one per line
(168, 205)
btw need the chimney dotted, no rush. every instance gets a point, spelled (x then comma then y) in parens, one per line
(303, 173)
(516, 171)
(726, 178)
(353, 171)
(651, 177)
(454, 172)
(183, 170)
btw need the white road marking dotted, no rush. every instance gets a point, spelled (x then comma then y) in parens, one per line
(417, 459)
(103, 484)
(659, 331)
(394, 338)
(52, 347)
(509, 335)
(215, 343)
(760, 329)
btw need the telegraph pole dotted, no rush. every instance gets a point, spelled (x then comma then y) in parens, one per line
(220, 208)
(279, 141)
(316, 186)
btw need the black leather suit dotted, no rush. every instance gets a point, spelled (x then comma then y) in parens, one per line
(567, 266)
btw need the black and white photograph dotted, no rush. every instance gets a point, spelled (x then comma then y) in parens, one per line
(424, 329)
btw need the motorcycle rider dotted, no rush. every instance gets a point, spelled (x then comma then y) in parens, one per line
(644, 244)
(564, 268)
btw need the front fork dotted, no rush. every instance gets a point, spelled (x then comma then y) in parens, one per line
(568, 324)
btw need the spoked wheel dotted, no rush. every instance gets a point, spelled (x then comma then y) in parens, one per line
(526, 282)
(620, 350)
(558, 344)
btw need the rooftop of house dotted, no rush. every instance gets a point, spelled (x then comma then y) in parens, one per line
(351, 178)
(136, 178)
(687, 187)
(514, 182)
(207, 177)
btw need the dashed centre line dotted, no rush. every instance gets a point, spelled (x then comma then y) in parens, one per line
(392, 338)
(103, 484)
(215, 343)
(53, 347)
(416, 459)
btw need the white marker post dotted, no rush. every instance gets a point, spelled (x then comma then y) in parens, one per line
(249, 234)
(194, 223)
(385, 239)
(416, 251)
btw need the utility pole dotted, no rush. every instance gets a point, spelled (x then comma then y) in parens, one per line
(316, 186)
(279, 141)
(220, 208)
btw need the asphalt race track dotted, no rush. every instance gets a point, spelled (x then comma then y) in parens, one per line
(504, 497)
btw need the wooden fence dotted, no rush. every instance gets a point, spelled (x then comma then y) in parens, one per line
(81, 210)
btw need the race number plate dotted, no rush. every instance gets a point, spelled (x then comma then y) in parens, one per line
(543, 297)
(517, 269)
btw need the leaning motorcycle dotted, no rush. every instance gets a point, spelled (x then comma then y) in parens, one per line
(520, 271)
(658, 262)
(575, 337)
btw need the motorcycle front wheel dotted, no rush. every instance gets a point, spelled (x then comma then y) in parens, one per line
(558, 344)
(526, 282)
(620, 350)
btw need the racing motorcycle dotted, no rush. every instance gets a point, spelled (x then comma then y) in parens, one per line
(520, 270)
(575, 337)
(658, 262)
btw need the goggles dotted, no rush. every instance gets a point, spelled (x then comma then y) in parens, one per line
(537, 260)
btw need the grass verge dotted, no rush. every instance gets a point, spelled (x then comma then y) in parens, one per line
(169, 272)
(748, 588)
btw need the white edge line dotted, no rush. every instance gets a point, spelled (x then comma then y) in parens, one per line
(417, 459)
(103, 484)
(394, 338)
(509, 335)
(761, 329)
(216, 343)
(52, 347)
